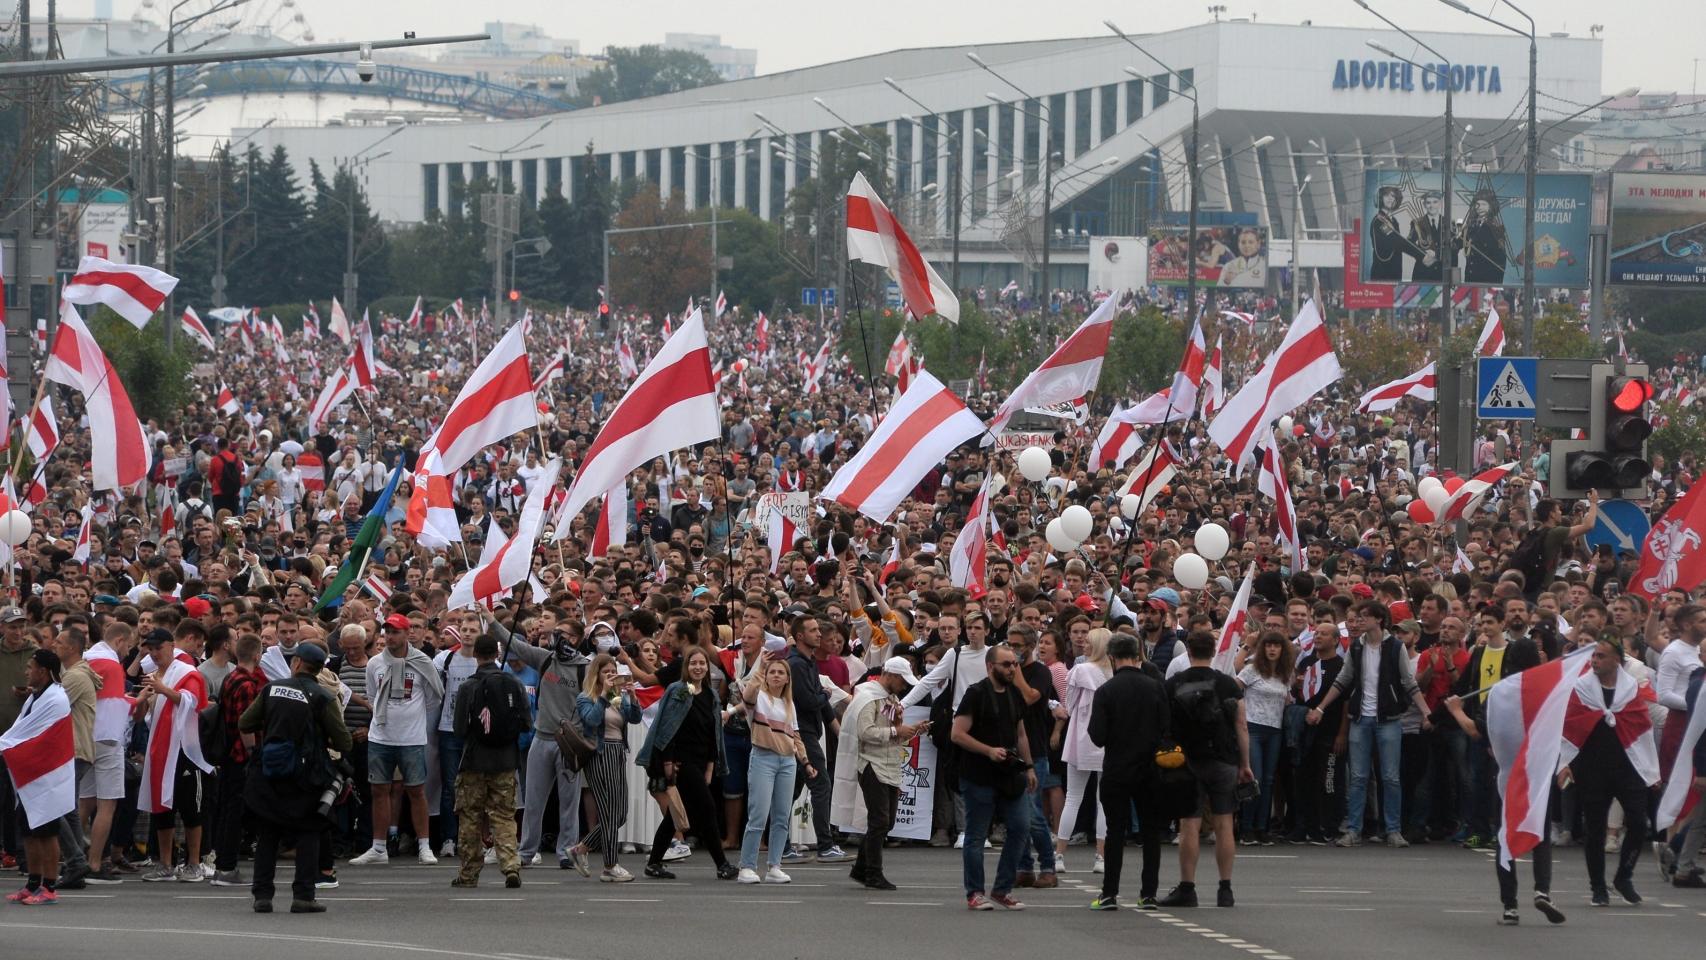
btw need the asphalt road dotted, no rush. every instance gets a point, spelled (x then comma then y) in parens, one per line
(1293, 902)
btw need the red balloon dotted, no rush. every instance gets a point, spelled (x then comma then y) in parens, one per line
(1297, 429)
(1419, 511)
(1452, 483)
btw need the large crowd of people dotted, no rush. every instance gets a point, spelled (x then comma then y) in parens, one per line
(687, 698)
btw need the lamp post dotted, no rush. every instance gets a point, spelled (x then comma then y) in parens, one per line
(1296, 238)
(955, 186)
(499, 224)
(1046, 129)
(1596, 257)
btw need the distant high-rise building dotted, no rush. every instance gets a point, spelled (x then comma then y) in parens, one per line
(103, 9)
(733, 63)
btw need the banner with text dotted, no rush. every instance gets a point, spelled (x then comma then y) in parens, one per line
(1658, 230)
(917, 783)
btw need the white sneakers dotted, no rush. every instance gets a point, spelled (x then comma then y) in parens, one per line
(775, 875)
(374, 856)
(747, 875)
(1098, 867)
(491, 855)
(615, 874)
(447, 851)
(423, 852)
(677, 851)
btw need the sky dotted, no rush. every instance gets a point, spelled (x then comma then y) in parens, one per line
(1648, 43)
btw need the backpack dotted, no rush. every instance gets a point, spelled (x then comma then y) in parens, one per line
(230, 474)
(1529, 559)
(1199, 718)
(496, 709)
(301, 759)
(212, 724)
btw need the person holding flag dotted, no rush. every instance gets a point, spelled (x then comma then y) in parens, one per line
(39, 754)
(361, 549)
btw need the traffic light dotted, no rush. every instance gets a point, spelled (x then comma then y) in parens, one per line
(1613, 455)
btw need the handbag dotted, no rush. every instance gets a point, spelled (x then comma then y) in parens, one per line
(573, 745)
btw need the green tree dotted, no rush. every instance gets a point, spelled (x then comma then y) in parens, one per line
(646, 71)
(1375, 353)
(759, 278)
(813, 226)
(440, 257)
(1684, 431)
(277, 271)
(658, 270)
(1558, 334)
(582, 263)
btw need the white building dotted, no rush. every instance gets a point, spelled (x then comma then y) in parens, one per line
(732, 63)
(1119, 123)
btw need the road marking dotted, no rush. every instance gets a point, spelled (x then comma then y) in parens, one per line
(620, 900)
(178, 933)
(488, 899)
(1328, 890)
(353, 899)
(900, 903)
(767, 901)
(1490, 911)
(1225, 939)
(394, 883)
(110, 896)
(217, 896)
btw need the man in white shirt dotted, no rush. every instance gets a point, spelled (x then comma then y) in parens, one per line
(405, 690)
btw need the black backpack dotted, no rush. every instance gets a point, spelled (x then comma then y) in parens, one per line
(1199, 718)
(1529, 559)
(496, 708)
(301, 759)
(230, 474)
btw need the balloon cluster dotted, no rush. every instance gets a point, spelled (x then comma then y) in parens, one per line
(1431, 495)
(1074, 525)
(1191, 569)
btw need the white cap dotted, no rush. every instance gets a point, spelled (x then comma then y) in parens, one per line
(900, 667)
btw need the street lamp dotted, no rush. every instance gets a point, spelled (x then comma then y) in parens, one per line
(1596, 285)
(1297, 239)
(956, 186)
(1046, 149)
(500, 233)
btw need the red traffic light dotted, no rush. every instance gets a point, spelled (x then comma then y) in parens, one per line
(514, 295)
(1629, 394)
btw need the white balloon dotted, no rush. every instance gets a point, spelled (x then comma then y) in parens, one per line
(1077, 522)
(1212, 541)
(1055, 533)
(1129, 504)
(1435, 498)
(1191, 571)
(1034, 463)
(14, 527)
(1428, 483)
(1285, 425)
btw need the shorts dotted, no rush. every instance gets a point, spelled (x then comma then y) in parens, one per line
(186, 798)
(1048, 778)
(385, 760)
(1217, 786)
(46, 830)
(103, 779)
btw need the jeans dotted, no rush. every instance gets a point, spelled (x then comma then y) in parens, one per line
(769, 795)
(1264, 760)
(983, 805)
(1386, 736)
(449, 765)
(1038, 845)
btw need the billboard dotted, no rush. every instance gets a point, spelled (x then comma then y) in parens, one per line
(1402, 240)
(1225, 257)
(1658, 230)
(1359, 295)
(1118, 263)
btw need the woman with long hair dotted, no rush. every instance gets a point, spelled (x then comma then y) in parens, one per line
(606, 708)
(776, 752)
(1081, 755)
(685, 749)
(1054, 785)
(1266, 680)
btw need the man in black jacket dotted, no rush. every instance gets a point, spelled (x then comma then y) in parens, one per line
(814, 714)
(1128, 717)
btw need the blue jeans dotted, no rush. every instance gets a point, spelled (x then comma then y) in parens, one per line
(1387, 736)
(1264, 760)
(983, 805)
(769, 794)
(449, 764)
(1038, 845)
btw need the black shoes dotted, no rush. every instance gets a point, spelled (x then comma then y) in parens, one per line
(263, 906)
(1626, 889)
(1183, 895)
(1543, 903)
(1223, 896)
(307, 906)
(658, 871)
(512, 881)
(727, 871)
(878, 882)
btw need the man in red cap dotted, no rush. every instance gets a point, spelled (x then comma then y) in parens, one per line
(406, 692)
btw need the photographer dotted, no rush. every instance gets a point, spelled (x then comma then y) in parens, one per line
(995, 774)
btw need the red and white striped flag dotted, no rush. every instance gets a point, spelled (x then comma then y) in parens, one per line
(362, 359)
(42, 437)
(1151, 474)
(1232, 631)
(196, 329)
(782, 534)
(1117, 443)
(414, 321)
(431, 517)
(80, 552)
(507, 566)
(1628, 717)
(227, 402)
(968, 558)
(1214, 384)
(377, 585)
(340, 325)
(817, 366)
(722, 305)
(922, 426)
(1069, 373)
(1301, 367)
(625, 360)
(40, 753)
(310, 325)
(892, 564)
(1272, 482)
(672, 405)
(1525, 728)
(174, 731)
(495, 403)
(1420, 385)
(1492, 340)
(41, 334)
(132, 290)
(552, 371)
(761, 342)
(1468, 496)
(340, 387)
(899, 352)
(611, 529)
(875, 236)
(120, 453)
(1680, 794)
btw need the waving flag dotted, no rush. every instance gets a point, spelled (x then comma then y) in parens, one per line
(967, 559)
(672, 405)
(1680, 794)
(509, 565)
(1232, 632)
(40, 753)
(414, 321)
(1525, 728)
(80, 552)
(1468, 496)
(339, 325)
(625, 360)
(722, 305)
(923, 425)
(781, 534)
(120, 454)
(1214, 380)
(133, 291)
(227, 402)
(431, 517)
(552, 371)
(1420, 385)
(196, 329)
(1491, 343)
(892, 564)
(1302, 366)
(612, 527)
(875, 236)
(361, 548)
(899, 352)
(1672, 556)
(340, 387)
(1151, 474)
(495, 403)
(1117, 443)
(362, 360)
(310, 325)
(1272, 483)
(1069, 373)
(761, 342)
(42, 437)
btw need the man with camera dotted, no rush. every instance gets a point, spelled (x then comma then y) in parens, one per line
(292, 784)
(995, 776)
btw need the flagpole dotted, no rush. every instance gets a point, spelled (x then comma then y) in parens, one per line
(864, 338)
(29, 416)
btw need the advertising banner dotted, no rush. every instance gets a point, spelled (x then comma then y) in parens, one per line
(1359, 295)
(1658, 230)
(1403, 239)
(1234, 257)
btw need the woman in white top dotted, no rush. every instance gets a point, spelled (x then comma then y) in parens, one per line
(1083, 757)
(290, 486)
(776, 751)
(1266, 679)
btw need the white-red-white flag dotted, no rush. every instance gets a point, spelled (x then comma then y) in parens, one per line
(722, 305)
(611, 530)
(42, 436)
(899, 352)
(875, 236)
(174, 732)
(1070, 372)
(761, 341)
(495, 403)
(672, 405)
(40, 751)
(1117, 443)
(132, 290)
(1421, 385)
(310, 325)
(1681, 794)
(196, 329)
(817, 366)
(414, 321)
(1272, 482)
(1628, 715)
(119, 450)
(1463, 502)
(227, 402)
(1525, 729)
(892, 564)
(1491, 343)
(781, 535)
(1671, 557)
(1302, 366)
(921, 428)
(80, 552)
(625, 360)
(968, 558)
(362, 360)
(510, 563)
(552, 371)
(1232, 631)
(1150, 475)
(339, 387)
(378, 586)
(431, 517)
(339, 324)
(1214, 384)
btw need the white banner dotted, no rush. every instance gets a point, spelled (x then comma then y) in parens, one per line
(796, 505)
(1009, 442)
(917, 783)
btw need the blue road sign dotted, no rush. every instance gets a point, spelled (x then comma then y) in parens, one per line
(808, 296)
(1505, 387)
(1621, 524)
(828, 296)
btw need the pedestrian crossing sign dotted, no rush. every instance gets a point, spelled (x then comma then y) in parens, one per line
(1505, 388)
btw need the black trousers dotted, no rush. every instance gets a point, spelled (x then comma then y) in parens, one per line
(1540, 856)
(1601, 779)
(881, 802)
(820, 788)
(704, 820)
(268, 834)
(1117, 799)
(228, 816)
(1320, 795)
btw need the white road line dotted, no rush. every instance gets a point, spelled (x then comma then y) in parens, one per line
(1329, 890)
(900, 903)
(178, 933)
(620, 900)
(488, 899)
(220, 896)
(767, 901)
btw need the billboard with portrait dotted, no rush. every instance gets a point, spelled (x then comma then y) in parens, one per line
(1658, 230)
(1225, 257)
(1403, 239)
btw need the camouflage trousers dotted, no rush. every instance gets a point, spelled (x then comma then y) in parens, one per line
(482, 800)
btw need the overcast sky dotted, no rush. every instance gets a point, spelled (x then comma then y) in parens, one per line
(1648, 43)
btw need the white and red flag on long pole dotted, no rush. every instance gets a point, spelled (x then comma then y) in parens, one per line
(923, 425)
(339, 387)
(1421, 385)
(1671, 557)
(1491, 343)
(339, 324)
(1272, 482)
(119, 454)
(1525, 728)
(781, 535)
(196, 329)
(899, 352)
(1302, 366)
(414, 321)
(968, 558)
(227, 402)
(611, 530)
(1232, 632)
(672, 405)
(1117, 443)
(1468, 496)
(40, 754)
(625, 360)
(1681, 794)
(80, 552)
(892, 565)
(42, 437)
(495, 403)
(1070, 372)
(552, 371)
(132, 290)
(1214, 384)
(431, 517)
(362, 360)
(1181, 397)
(1150, 475)
(509, 565)
(875, 236)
